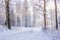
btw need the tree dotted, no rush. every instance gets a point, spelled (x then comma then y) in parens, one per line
(56, 14)
(25, 6)
(45, 13)
(28, 18)
(7, 14)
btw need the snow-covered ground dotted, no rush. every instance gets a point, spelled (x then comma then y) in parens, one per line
(28, 33)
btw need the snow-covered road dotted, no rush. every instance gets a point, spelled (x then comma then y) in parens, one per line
(29, 34)
(24, 36)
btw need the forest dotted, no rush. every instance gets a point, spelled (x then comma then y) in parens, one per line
(28, 13)
(29, 19)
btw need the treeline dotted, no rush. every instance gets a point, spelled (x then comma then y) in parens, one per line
(28, 13)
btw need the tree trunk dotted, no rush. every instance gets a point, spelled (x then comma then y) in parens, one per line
(8, 15)
(56, 15)
(45, 14)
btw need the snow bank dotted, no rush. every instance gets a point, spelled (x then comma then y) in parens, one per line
(3, 28)
(26, 29)
(20, 29)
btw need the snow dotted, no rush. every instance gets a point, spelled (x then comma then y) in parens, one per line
(28, 33)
